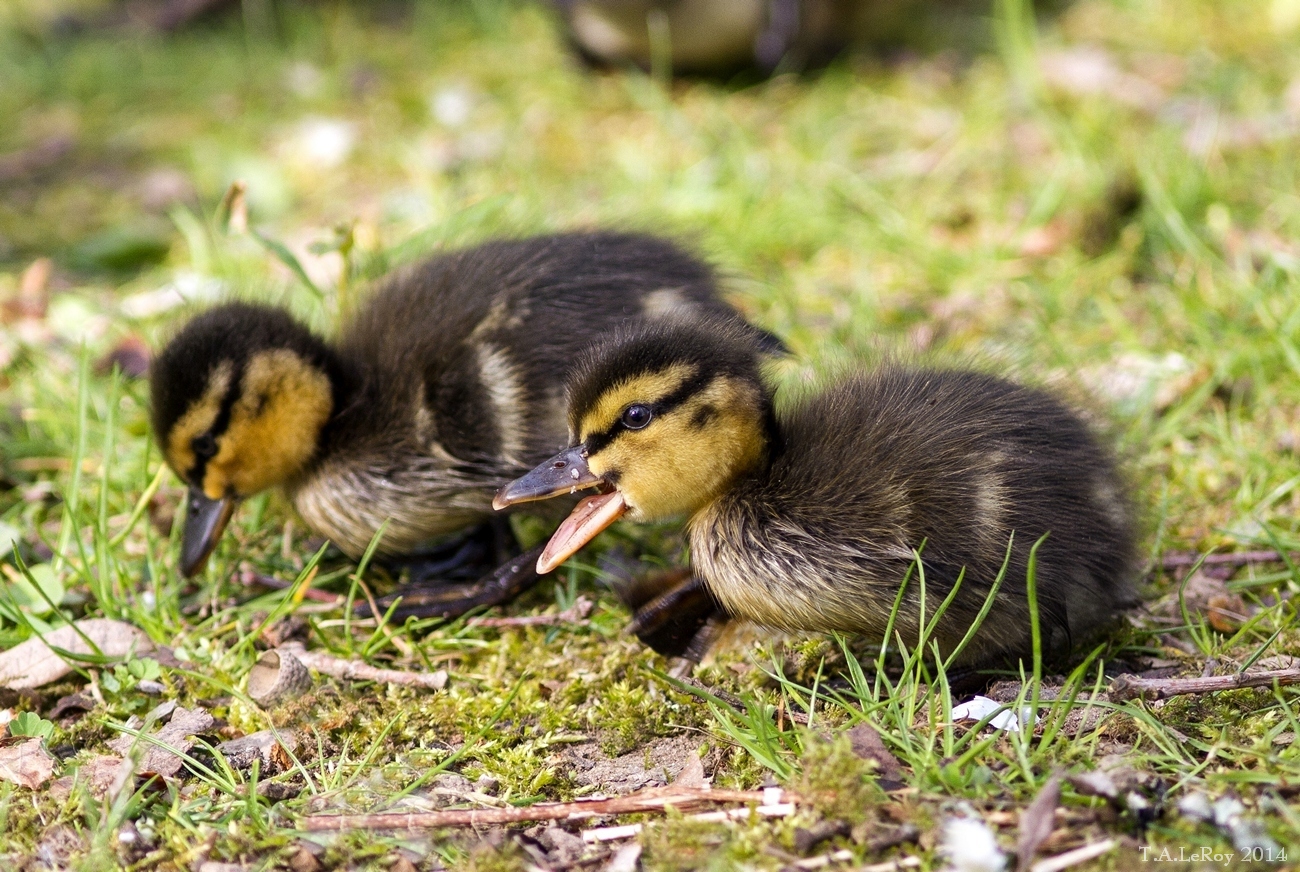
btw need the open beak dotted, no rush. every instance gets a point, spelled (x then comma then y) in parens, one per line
(565, 473)
(205, 521)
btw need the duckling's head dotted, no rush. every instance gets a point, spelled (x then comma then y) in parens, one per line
(240, 396)
(662, 421)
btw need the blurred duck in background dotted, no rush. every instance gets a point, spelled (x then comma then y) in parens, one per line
(724, 36)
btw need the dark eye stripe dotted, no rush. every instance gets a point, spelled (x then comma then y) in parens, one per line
(220, 424)
(693, 385)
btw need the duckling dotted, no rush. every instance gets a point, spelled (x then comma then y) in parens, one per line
(809, 518)
(446, 384)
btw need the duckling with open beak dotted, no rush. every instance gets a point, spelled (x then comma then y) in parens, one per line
(811, 519)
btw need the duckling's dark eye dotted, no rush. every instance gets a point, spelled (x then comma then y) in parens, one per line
(636, 416)
(205, 447)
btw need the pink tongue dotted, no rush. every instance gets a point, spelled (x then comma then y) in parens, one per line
(587, 519)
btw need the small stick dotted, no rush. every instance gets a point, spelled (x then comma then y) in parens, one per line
(1177, 559)
(609, 834)
(644, 801)
(1129, 687)
(356, 670)
(822, 861)
(891, 865)
(575, 614)
(1075, 857)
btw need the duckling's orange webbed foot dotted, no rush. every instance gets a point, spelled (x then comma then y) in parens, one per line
(673, 613)
(443, 600)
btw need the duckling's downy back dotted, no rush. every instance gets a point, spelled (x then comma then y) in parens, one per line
(464, 358)
(957, 464)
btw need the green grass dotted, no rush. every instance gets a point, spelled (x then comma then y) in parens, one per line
(960, 204)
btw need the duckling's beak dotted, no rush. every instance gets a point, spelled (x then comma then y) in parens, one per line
(205, 521)
(565, 473)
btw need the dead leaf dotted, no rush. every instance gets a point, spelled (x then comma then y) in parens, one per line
(163, 755)
(26, 764)
(1090, 71)
(303, 858)
(264, 745)
(131, 355)
(33, 298)
(76, 702)
(692, 773)
(1037, 822)
(102, 776)
(867, 744)
(33, 663)
(1226, 612)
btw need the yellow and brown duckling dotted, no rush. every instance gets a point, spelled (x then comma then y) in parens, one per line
(809, 519)
(446, 384)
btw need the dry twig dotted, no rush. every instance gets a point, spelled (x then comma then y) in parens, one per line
(575, 614)
(655, 800)
(1131, 687)
(1075, 857)
(337, 667)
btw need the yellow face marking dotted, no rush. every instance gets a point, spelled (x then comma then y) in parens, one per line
(688, 456)
(645, 388)
(198, 419)
(274, 425)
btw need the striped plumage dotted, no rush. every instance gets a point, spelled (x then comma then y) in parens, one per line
(444, 385)
(817, 524)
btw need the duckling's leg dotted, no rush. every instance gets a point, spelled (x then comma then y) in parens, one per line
(673, 613)
(441, 600)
